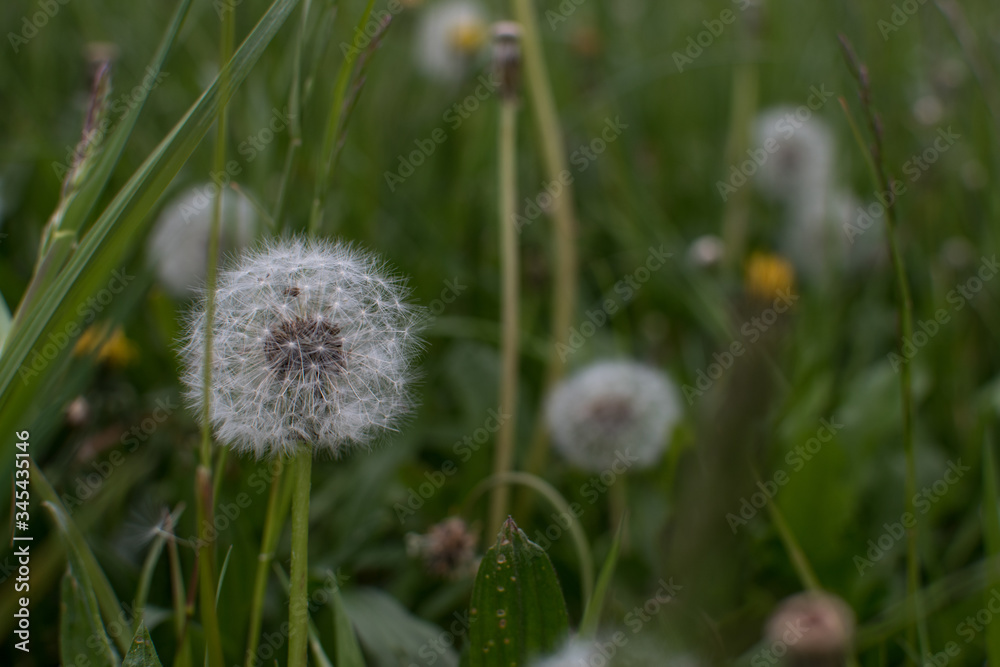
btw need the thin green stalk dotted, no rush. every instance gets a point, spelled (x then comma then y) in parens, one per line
(799, 561)
(205, 488)
(333, 122)
(294, 113)
(298, 610)
(183, 656)
(554, 155)
(504, 453)
(884, 184)
(736, 214)
(275, 519)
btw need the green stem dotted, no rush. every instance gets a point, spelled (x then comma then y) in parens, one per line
(206, 567)
(737, 210)
(294, 106)
(205, 504)
(554, 155)
(504, 453)
(276, 509)
(298, 612)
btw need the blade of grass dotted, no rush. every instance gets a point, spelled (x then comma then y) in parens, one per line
(991, 537)
(592, 614)
(116, 232)
(86, 568)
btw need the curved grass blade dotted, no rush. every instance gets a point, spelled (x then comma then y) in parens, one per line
(592, 614)
(117, 230)
(85, 566)
(80, 625)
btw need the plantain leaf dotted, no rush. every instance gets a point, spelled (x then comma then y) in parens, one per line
(518, 610)
(57, 312)
(77, 630)
(142, 653)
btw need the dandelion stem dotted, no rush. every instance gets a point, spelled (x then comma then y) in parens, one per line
(554, 156)
(277, 506)
(298, 612)
(504, 453)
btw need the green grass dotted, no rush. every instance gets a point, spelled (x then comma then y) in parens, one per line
(654, 185)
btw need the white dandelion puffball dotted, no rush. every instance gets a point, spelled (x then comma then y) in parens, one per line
(574, 654)
(799, 162)
(449, 36)
(313, 342)
(611, 411)
(178, 245)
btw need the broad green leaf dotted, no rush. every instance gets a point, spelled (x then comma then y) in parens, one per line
(991, 536)
(517, 610)
(85, 567)
(116, 231)
(142, 653)
(392, 636)
(347, 652)
(77, 630)
(591, 616)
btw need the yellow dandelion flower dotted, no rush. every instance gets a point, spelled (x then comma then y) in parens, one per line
(114, 349)
(768, 276)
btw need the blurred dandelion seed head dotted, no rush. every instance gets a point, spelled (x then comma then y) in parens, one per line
(312, 341)
(448, 549)
(825, 622)
(612, 409)
(178, 245)
(576, 653)
(450, 35)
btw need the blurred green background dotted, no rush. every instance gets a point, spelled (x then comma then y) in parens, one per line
(654, 186)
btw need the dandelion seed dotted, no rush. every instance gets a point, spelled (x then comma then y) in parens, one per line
(178, 246)
(313, 342)
(450, 35)
(611, 409)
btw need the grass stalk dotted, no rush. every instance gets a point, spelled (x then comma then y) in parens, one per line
(564, 288)
(885, 184)
(273, 521)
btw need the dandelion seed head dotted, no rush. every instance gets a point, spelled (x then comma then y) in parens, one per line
(450, 35)
(306, 347)
(610, 407)
(825, 622)
(575, 653)
(178, 245)
(799, 171)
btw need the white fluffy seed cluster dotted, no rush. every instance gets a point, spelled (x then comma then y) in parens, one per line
(178, 245)
(574, 653)
(613, 409)
(801, 175)
(313, 342)
(449, 36)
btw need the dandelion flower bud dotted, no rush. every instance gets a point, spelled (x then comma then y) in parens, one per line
(610, 410)
(178, 245)
(312, 341)
(448, 549)
(450, 34)
(816, 629)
